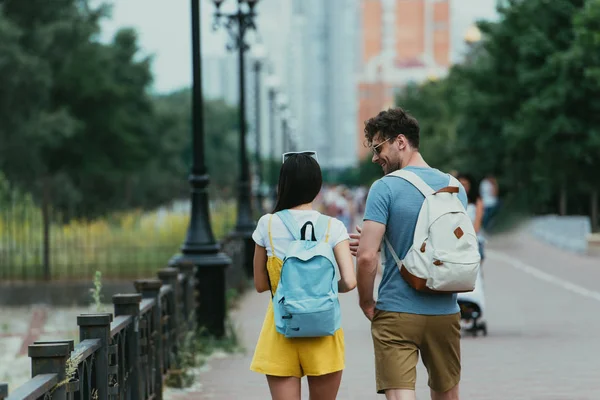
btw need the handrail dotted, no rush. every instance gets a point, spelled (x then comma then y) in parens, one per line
(121, 322)
(86, 348)
(125, 353)
(146, 305)
(165, 289)
(35, 388)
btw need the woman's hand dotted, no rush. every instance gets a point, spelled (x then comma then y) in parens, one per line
(354, 240)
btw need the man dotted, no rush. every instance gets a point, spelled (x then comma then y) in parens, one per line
(404, 321)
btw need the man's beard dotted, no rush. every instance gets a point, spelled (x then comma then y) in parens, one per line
(389, 168)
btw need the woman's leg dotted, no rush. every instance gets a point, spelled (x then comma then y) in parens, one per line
(284, 387)
(324, 387)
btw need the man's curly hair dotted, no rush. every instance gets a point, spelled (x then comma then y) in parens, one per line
(391, 123)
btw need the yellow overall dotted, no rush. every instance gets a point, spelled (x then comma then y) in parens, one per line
(279, 356)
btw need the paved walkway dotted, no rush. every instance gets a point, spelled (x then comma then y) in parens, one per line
(544, 342)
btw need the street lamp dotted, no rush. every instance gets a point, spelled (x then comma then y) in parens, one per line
(259, 56)
(472, 38)
(237, 24)
(285, 120)
(282, 107)
(273, 86)
(293, 134)
(473, 35)
(200, 248)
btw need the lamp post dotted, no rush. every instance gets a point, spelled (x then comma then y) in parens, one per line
(282, 105)
(259, 55)
(472, 38)
(200, 248)
(285, 129)
(237, 24)
(273, 85)
(292, 134)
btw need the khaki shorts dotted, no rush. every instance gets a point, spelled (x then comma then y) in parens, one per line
(397, 340)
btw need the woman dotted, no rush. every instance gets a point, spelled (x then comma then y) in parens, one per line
(283, 360)
(474, 208)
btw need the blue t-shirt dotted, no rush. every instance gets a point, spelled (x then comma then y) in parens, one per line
(396, 203)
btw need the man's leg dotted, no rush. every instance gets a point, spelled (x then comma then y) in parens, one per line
(440, 351)
(451, 394)
(396, 340)
(400, 394)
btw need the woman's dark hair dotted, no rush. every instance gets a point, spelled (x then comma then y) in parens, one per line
(473, 193)
(300, 181)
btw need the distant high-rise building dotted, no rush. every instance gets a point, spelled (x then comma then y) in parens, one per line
(220, 78)
(402, 41)
(314, 49)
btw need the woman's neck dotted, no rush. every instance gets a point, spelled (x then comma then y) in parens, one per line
(307, 206)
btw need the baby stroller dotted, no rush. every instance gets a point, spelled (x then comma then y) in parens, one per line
(472, 308)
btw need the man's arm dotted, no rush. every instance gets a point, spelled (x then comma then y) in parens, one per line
(368, 259)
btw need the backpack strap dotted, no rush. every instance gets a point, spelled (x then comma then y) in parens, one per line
(322, 228)
(271, 237)
(453, 181)
(312, 232)
(414, 180)
(273, 253)
(290, 223)
(453, 186)
(393, 252)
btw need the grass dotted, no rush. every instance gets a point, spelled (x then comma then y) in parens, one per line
(96, 292)
(125, 245)
(197, 347)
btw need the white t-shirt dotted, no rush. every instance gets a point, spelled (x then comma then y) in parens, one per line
(282, 237)
(486, 190)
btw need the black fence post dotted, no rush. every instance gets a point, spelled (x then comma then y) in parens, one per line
(51, 358)
(171, 332)
(129, 304)
(3, 391)
(187, 295)
(97, 326)
(150, 289)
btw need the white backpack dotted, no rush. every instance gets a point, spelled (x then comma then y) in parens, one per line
(444, 256)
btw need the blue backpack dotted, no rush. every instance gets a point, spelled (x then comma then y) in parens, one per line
(306, 303)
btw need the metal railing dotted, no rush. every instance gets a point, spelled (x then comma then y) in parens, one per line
(122, 355)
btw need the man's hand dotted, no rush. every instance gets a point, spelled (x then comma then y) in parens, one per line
(354, 240)
(369, 309)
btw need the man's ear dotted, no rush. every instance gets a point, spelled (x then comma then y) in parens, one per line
(402, 142)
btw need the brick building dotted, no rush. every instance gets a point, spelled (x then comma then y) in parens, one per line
(402, 41)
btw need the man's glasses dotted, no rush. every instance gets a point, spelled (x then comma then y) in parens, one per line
(312, 154)
(377, 149)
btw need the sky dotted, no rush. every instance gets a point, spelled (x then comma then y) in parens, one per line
(163, 27)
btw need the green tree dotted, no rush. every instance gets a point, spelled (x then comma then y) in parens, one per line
(580, 80)
(221, 129)
(82, 123)
(514, 119)
(433, 103)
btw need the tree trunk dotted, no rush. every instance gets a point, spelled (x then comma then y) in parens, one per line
(128, 191)
(594, 209)
(563, 199)
(46, 227)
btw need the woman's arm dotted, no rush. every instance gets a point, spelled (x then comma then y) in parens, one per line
(261, 279)
(343, 257)
(478, 214)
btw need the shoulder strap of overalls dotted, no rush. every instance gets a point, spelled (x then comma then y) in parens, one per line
(272, 254)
